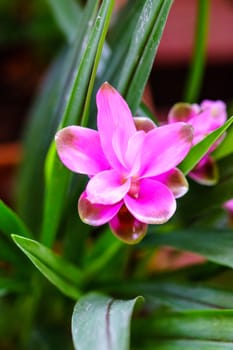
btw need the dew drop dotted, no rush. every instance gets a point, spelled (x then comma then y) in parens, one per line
(127, 228)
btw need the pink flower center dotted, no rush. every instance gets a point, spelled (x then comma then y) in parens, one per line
(134, 187)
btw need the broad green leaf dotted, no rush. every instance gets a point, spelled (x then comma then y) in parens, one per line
(67, 14)
(214, 245)
(141, 53)
(189, 344)
(77, 102)
(176, 295)
(200, 149)
(209, 329)
(102, 323)
(65, 276)
(10, 222)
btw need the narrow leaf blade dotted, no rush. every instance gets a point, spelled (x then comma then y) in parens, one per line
(58, 271)
(200, 149)
(67, 14)
(177, 295)
(207, 325)
(77, 102)
(142, 50)
(10, 222)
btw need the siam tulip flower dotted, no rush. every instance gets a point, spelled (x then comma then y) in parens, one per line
(204, 118)
(131, 165)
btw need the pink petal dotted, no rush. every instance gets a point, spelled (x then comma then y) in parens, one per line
(183, 112)
(107, 187)
(96, 214)
(144, 123)
(113, 113)
(155, 203)
(80, 150)
(212, 116)
(228, 205)
(205, 172)
(134, 152)
(217, 110)
(175, 180)
(126, 227)
(165, 147)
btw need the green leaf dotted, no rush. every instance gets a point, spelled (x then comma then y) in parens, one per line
(10, 285)
(176, 295)
(193, 85)
(215, 245)
(193, 330)
(103, 251)
(141, 53)
(207, 211)
(226, 146)
(10, 222)
(200, 149)
(76, 108)
(102, 323)
(10, 254)
(62, 274)
(67, 14)
(44, 119)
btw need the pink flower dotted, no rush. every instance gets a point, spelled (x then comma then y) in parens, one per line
(133, 179)
(228, 206)
(204, 118)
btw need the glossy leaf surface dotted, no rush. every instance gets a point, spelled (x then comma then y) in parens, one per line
(102, 323)
(58, 271)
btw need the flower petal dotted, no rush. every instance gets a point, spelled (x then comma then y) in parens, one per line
(113, 113)
(107, 187)
(183, 112)
(175, 180)
(205, 172)
(217, 111)
(126, 227)
(144, 123)
(228, 205)
(96, 214)
(80, 150)
(165, 147)
(155, 203)
(134, 152)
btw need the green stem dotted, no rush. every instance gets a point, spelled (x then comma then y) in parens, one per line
(194, 80)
